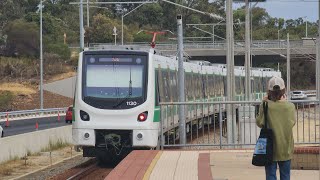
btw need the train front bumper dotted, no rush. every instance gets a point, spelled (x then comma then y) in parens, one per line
(139, 138)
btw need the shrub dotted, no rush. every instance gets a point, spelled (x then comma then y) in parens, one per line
(18, 67)
(62, 50)
(53, 64)
(6, 98)
(22, 38)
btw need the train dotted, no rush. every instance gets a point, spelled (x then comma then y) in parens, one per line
(118, 91)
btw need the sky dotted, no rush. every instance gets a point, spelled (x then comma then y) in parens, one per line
(289, 9)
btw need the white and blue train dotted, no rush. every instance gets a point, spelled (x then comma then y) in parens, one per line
(116, 105)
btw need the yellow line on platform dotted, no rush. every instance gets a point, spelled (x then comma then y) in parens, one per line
(152, 165)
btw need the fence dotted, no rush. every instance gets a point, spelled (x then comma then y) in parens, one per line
(209, 125)
(258, 44)
(25, 114)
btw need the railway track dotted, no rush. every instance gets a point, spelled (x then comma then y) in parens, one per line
(92, 169)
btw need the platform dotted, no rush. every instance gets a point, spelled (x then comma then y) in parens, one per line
(195, 165)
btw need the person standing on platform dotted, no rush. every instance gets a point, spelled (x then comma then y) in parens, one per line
(281, 119)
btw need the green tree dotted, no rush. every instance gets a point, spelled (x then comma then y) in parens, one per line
(60, 49)
(101, 30)
(23, 38)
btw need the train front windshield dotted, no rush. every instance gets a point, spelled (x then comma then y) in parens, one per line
(114, 81)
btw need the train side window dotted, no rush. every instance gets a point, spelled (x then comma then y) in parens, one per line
(173, 86)
(169, 83)
(242, 84)
(157, 93)
(212, 85)
(207, 86)
(160, 85)
(165, 86)
(193, 86)
(217, 83)
(189, 82)
(237, 84)
(199, 89)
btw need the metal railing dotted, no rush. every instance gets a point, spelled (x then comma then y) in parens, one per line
(26, 114)
(219, 45)
(207, 124)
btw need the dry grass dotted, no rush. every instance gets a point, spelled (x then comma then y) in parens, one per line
(62, 76)
(15, 168)
(8, 168)
(17, 89)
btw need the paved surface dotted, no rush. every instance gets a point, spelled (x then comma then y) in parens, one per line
(194, 165)
(236, 165)
(64, 87)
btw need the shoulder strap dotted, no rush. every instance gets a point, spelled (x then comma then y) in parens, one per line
(265, 111)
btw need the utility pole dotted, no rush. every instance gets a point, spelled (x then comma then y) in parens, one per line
(279, 37)
(247, 54)
(212, 34)
(81, 26)
(288, 67)
(306, 28)
(182, 117)
(41, 59)
(318, 57)
(231, 124)
(124, 15)
(88, 13)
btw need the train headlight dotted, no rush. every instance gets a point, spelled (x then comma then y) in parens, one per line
(84, 116)
(86, 135)
(143, 116)
(139, 136)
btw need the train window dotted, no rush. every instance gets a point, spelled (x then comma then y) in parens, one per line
(252, 85)
(193, 86)
(165, 86)
(257, 84)
(218, 85)
(237, 84)
(199, 88)
(173, 86)
(224, 86)
(168, 85)
(157, 93)
(161, 84)
(211, 79)
(207, 86)
(188, 87)
(110, 81)
(242, 83)
(212, 85)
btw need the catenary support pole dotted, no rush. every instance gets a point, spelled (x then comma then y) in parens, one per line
(88, 16)
(288, 67)
(41, 59)
(231, 127)
(182, 118)
(81, 25)
(247, 53)
(318, 57)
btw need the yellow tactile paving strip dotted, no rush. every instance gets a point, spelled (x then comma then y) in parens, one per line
(187, 167)
(152, 165)
(174, 165)
(166, 166)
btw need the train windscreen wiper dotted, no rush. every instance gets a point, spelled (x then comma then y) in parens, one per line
(129, 93)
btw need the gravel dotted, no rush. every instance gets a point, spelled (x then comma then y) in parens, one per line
(56, 169)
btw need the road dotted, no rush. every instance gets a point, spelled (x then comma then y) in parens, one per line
(29, 125)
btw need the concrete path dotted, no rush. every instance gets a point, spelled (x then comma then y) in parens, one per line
(196, 165)
(64, 87)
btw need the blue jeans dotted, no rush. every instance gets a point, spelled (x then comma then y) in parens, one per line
(284, 167)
